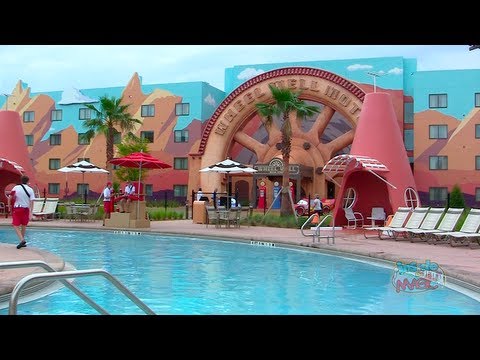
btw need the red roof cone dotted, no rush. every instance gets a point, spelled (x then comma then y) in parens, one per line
(13, 148)
(378, 168)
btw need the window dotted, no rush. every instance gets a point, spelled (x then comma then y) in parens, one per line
(53, 164)
(181, 136)
(82, 189)
(477, 131)
(408, 139)
(56, 115)
(56, 139)
(437, 101)
(117, 138)
(438, 162)
(28, 116)
(411, 198)
(83, 159)
(180, 163)
(54, 188)
(147, 135)
(85, 113)
(477, 99)
(349, 199)
(148, 189)
(148, 110)
(438, 131)
(477, 194)
(180, 190)
(438, 193)
(408, 113)
(82, 139)
(182, 109)
(477, 162)
(29, 140)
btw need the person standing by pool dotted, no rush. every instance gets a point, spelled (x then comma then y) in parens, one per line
(22, 197)
(107, 202)
(317, 205)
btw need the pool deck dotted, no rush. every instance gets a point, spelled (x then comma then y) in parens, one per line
(459, 262)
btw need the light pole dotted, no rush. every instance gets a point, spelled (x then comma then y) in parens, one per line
(374, 75)
(6, 101)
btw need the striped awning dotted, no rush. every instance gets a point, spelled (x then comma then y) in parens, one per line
(12, 166)
(338, 164)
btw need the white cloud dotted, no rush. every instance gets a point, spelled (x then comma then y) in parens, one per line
(74, 96)
(355, 67)
(210, 100)
(249, 73)
(395, 71)
(381, 72)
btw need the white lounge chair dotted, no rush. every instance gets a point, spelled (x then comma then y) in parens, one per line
(468, 231)
(413, 222)
(430, 222)
(37, 208)
(398, 221)
(49, 209)
(448, 223)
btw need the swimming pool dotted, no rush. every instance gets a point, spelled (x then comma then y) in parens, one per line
(185, 275)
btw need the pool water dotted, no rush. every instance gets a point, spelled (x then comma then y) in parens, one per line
(185, 275)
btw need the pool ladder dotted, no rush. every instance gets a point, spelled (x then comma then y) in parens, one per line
(62, 276)
(316, 232)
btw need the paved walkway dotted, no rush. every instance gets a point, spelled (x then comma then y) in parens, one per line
(459, 262)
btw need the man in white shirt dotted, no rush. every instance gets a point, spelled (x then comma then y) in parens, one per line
(124, 203)
(21, 198)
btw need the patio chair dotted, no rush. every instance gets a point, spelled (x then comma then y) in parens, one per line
(354, 218)
(468, 231)
(212, 216)
(447, 224)
(378, 214)
(414, 221)
(398, 221)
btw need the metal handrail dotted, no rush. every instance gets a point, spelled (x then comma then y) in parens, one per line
(62, 276)
(316, 232)
(44, 265)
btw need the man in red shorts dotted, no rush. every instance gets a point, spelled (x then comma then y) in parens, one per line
(107, 202)
(21, 199)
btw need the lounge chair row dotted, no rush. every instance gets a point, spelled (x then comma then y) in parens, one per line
(434, 225)
(43, 208)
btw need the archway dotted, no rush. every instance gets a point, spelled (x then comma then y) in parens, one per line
(235, 130)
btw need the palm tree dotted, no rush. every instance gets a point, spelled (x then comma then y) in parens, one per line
(110, 115)
(285, 101)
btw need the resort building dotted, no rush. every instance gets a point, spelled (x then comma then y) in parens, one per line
(193, 125)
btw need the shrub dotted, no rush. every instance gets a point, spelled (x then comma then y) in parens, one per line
(456, 197)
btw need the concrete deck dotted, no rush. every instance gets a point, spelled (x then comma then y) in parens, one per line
(460, 262)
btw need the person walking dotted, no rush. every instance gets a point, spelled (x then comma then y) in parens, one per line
(317, 205)
(21, 198)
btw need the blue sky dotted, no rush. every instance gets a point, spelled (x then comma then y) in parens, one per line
(58, 67)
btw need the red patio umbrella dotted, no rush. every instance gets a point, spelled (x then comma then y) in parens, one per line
(140, 160)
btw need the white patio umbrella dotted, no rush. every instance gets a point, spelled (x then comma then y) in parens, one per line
(228, 167)
(82, 167)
